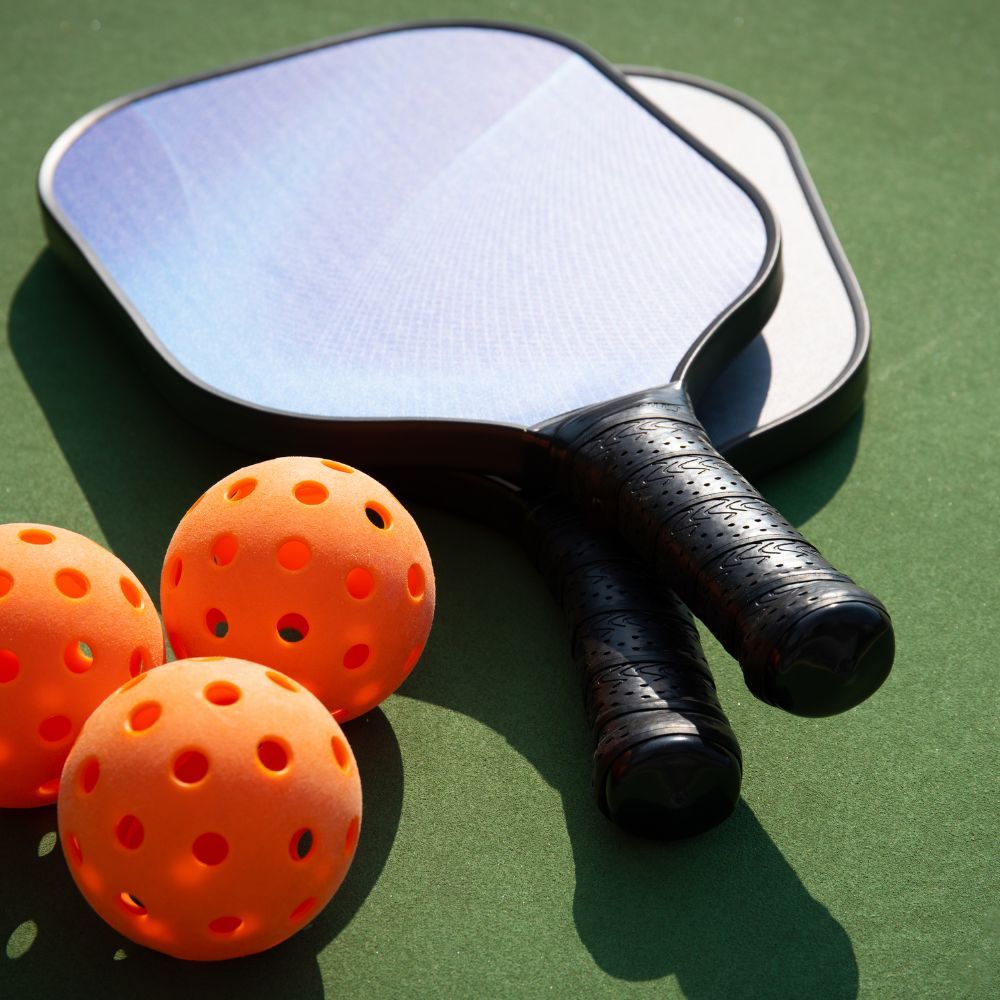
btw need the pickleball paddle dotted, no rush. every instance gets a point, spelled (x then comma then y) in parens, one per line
(468, 246)
(666, 762)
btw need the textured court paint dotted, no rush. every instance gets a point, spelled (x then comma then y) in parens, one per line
(862, 860)
(452, 222)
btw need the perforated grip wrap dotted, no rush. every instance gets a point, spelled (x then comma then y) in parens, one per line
(808, 639)
(666, 762)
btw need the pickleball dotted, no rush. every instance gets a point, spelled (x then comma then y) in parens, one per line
(75, 623)
(210, 809)
(308, 566)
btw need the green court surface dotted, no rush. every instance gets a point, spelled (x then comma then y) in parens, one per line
(862, 859)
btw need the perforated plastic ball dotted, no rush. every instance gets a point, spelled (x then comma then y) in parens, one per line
(75, 623)
(210, 808)
(308, 566)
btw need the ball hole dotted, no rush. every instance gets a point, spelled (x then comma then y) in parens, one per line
(294, 554)
(292, 627)
(272, 755)
(55, 729)
(49, 789)
(144, 716)
(217, 623)
(210, 849)
(282, 681)
(72, 583)
(89, 774)
(341, 753)
(6, 582)
(175, 571)
(138, 661)
(310, 493)
(129, 832)
(74, 849)
(241, 490)
(416, 583)
(78, 657)
(132, 905)
(10, 666)
(378, 515)
(356, 656)
(132, 593)
(360, 583)
(351, 837)
(225, 925)
(190, 767)
(301, 845)
(223, 693)
(336, 466)
(224, 550)
(35, 536)
(303, 909)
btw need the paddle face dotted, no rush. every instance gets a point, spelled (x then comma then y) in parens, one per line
(434, 223)
(494, 261)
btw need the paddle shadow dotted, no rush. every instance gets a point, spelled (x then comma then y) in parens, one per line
(735, 399)
(140, 465)
(802, 488)
(725, 913)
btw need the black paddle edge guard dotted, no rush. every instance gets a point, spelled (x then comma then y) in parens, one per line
(807, 638)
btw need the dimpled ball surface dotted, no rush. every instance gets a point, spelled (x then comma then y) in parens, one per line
(210, 808)
(75, 623)
(308, 566)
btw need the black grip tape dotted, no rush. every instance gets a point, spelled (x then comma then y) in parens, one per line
(666, 761)
(807, 638)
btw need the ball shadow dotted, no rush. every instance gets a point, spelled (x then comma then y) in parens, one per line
(56, 946)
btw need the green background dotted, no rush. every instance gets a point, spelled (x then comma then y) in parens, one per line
(862, 857)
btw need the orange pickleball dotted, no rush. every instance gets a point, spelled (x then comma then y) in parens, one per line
(308, 566)
(75, 623)
(210, 808)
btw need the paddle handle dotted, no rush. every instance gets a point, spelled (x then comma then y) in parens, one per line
(807, 638)
(666, 762)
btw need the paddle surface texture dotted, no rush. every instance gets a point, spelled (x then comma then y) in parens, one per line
(464, 278)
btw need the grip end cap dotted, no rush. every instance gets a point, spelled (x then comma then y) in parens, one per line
(672, 786)
(833, 659)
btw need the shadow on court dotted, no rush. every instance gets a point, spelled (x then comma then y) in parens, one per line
(725, 912)
(55, 946)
